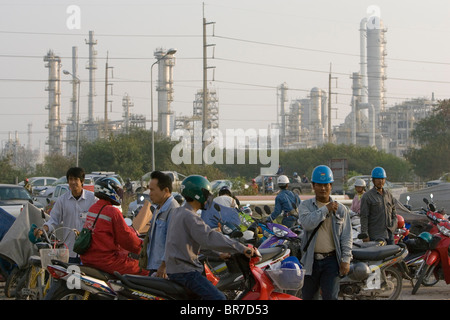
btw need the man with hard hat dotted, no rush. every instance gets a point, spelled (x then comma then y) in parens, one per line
(360, 188)
(378, 215)
(286, 203)
(327, 240)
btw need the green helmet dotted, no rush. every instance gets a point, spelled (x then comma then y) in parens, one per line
(426, 236)
(196, 187)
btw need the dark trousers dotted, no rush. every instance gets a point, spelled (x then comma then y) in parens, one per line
(198, 284)
(324, 278)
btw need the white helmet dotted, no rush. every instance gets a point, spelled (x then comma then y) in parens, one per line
(360, 183)
(283, 179)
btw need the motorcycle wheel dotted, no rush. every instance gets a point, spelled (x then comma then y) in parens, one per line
(430, 280)
(12, 282)
(393, 275)
(424, 273)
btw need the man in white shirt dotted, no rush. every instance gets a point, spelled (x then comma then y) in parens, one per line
(70, 210)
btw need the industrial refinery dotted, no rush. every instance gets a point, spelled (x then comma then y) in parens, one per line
(303, 122)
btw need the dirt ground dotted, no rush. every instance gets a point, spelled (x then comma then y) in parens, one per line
(441, 291)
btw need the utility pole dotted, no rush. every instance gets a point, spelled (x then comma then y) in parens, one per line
(205, 75)
(329, 105)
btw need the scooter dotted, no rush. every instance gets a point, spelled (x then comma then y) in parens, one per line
(225, 275)
(436, 261)
(277, 234)
(79, 282)
(372, 273)
(258, 285)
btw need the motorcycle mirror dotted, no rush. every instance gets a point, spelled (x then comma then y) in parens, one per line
(426, 200)
(217, 207)
(431, 196)
(129, 222)
(408, 198)
(267, 209)
(258, 210)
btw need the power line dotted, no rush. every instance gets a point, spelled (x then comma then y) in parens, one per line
(324, 51)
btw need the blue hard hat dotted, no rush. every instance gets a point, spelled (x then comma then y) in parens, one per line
(378, 173)
(291, 262)
(322, 174)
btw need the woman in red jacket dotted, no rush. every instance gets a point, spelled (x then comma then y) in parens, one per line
(112, 238)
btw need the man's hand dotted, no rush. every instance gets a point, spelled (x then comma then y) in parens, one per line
(332, 206)
(249, 252)
(344, 268)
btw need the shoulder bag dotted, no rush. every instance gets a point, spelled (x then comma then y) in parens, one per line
(84, 238)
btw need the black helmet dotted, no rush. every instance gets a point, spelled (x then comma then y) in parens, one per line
(225, 190)
(109, 188)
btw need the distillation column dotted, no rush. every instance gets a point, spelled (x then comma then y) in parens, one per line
(54, 103)
(165, 91)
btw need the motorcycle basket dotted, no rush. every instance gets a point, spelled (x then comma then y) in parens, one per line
(47, 255)
(287, 279)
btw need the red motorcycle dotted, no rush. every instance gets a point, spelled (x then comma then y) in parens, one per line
(436, 261)
(259, 284)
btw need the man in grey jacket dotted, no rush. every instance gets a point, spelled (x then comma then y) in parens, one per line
(187, 233)
(377, 211)
(327, 241)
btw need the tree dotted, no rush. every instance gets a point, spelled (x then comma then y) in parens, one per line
(432, 134)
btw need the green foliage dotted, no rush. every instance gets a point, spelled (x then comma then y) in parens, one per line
(8, 173)
(432, 134)
(359, 159)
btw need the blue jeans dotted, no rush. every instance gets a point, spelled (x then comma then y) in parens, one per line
(289, 221)
(198, 284)
(325, 276)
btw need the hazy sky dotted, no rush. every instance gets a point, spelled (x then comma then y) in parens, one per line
(259, 45)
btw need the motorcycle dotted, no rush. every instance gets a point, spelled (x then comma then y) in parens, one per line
(436, 261)
(257, 285)
(275, 234)
(225, 275)
(79, 282)
(372, 273)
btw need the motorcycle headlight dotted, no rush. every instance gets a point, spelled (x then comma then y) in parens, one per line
(280, 233)
(226, 229)
(444, 230)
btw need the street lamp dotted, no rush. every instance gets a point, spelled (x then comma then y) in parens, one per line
(78, 114)
(169, 52)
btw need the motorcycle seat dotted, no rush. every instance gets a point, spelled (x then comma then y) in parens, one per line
(97, 274)
(168, 287)
(92, 272)
(375, 253)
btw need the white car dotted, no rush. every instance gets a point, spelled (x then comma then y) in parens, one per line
(444, 179)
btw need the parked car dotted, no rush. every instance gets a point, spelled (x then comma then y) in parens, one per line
(47, 191)
(14, 197)
(294, 186)
(216, 185)
(444, 179)
(395, 189)
(39, 183)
